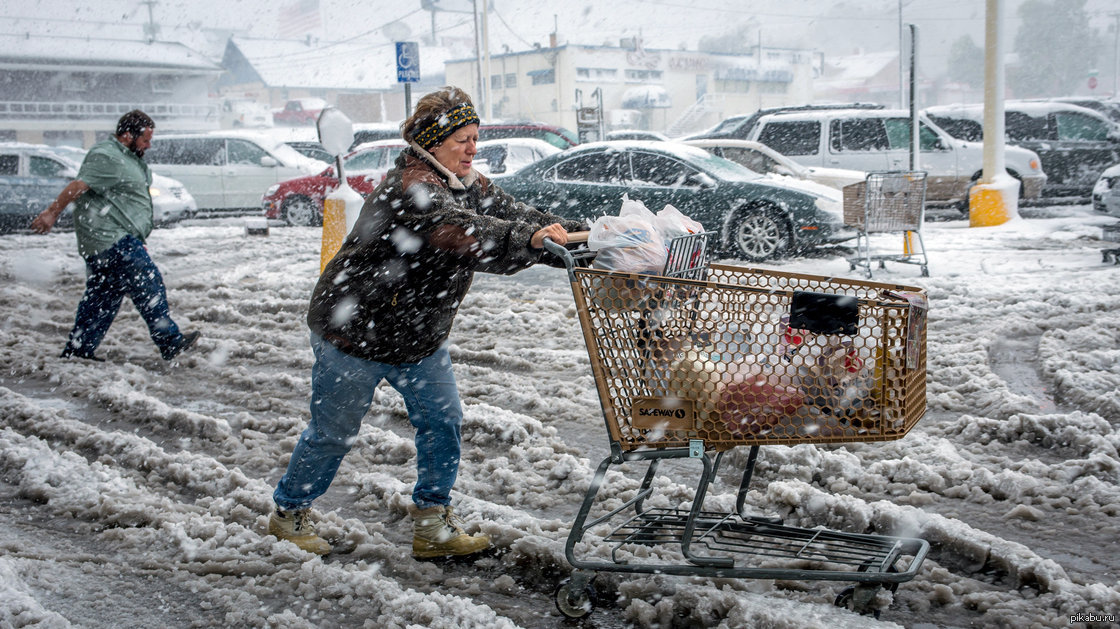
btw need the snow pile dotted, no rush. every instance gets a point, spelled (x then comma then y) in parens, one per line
(136, 493)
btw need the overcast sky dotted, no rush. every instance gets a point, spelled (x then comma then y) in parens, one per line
(836, 27)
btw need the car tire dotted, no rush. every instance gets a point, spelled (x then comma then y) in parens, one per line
(301, 211)
(756, 234)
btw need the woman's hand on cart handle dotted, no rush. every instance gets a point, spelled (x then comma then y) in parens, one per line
(553, 232)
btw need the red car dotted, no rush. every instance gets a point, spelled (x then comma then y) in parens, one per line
(299, 201)
(299, 111)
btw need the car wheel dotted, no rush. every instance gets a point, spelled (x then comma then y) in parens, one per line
(757, 233)
(301, 212)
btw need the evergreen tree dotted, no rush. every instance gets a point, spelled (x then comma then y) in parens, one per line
(1055, 46)
(966, 62)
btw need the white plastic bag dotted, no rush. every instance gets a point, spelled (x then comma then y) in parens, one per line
(627, 243)
(672, 223)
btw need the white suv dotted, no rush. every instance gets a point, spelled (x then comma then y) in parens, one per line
(879, 139)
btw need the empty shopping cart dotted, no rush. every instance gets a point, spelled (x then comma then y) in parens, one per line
(888, 202)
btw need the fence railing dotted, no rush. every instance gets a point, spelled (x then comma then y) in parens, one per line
(76, 110)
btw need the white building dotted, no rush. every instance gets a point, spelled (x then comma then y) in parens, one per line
(72, 90)
(672, 91)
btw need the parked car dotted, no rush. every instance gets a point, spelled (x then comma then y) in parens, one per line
(766, 161)
(373, 131)
(879, 139)
(1106, 192)
(227, 171)
(753, 218)
(496, 158)
(299, 201)
(739, 127)
(634, 134)
(559, 137)
(1109, 108)
(244, 112)
(314, 150)
(32, 175)
(300, 111)
(1075, 144)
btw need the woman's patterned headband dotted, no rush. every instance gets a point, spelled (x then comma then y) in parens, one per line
(442, 127)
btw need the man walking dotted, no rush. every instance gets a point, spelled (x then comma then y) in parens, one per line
(112, 218)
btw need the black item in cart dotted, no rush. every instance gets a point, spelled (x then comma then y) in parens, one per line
(707, 357)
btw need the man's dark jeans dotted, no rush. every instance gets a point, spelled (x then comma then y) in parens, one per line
(123, 269)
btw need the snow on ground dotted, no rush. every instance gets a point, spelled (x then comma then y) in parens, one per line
(135, 493)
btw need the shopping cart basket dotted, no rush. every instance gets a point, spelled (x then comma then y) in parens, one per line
(707, 357)
(888, 202)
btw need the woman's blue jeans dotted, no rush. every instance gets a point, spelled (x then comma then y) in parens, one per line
(123, 269)
(342, 389)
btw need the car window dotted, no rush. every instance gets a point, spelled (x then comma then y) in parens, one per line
(657, 170)
(187, 151)
(858, 134)
(1075, 126)
(46, 167)
(1022, 127)
(756, 161)
(242, 152)
(600, 167)
(968, 130)
(522, 155)
(898, 134)
(494, 155)
(9, 165)
(792, 138)
(368, 160)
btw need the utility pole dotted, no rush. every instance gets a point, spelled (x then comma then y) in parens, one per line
(1116, 55)
(151, 29)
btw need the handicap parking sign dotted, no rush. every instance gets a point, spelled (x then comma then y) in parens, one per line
(408, 62)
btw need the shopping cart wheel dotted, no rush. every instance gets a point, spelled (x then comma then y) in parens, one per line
(858, 598)
(574, 601)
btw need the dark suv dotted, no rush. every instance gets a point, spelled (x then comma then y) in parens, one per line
(739, 127)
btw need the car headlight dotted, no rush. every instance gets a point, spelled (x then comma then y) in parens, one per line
(272, 190)
(154, 191)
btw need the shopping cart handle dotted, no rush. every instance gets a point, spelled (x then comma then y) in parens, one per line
(578, 236)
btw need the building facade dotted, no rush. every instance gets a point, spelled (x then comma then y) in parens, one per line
(72, 90)
(670, 91)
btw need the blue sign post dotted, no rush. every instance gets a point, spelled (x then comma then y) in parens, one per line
(408, 70)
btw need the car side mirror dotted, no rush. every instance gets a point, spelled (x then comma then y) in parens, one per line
(269, 161)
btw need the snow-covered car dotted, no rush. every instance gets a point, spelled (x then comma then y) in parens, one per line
(299, 201)
(766, 161)
(1106, 192)
(32, 175)
(754, 218)
(634, 134)
(879, 139)
(227, 171)
(502, 157)
(245, 112)
(1075, 144)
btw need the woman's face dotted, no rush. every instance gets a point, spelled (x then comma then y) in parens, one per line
(457, 152)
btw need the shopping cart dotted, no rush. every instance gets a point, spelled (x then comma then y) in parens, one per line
(707, 357)
(888, 202)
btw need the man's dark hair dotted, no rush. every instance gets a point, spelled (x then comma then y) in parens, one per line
(134, 123)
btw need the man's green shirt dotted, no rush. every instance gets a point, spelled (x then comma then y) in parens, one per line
(118, 202)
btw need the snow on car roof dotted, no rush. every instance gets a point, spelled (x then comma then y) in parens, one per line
(1037, 109)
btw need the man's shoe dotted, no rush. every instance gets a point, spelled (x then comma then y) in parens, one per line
(185, 344)
(294, 527)
(438, 532)
(69, 352)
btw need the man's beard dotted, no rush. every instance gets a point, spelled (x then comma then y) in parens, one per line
(132, 147)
